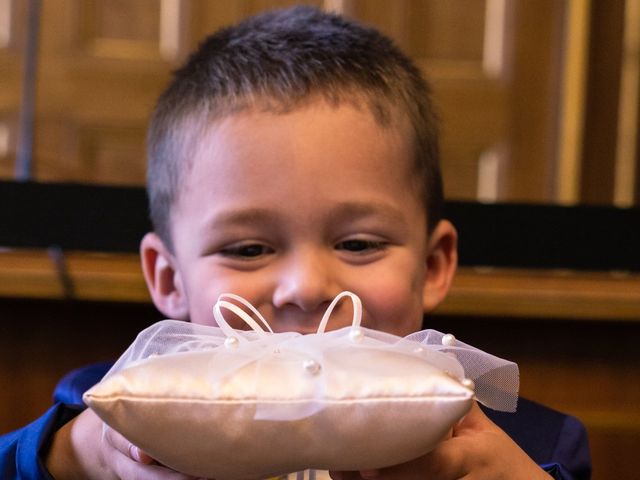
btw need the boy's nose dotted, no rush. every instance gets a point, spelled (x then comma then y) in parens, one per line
(306, 281)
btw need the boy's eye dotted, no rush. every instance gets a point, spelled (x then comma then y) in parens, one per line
(247, 251)
(360, 245)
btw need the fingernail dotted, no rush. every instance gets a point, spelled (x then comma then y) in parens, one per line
(134, 453)
(139, 456)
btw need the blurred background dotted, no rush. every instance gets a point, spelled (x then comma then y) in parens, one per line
(539, 101)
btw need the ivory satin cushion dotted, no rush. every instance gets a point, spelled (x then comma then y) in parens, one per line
(368, 408)
(219, 403)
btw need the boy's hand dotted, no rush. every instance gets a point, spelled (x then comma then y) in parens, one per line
(85, 449)
(477, 449)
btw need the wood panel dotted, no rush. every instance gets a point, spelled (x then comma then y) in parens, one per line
(102, 66)
(12, 23)
(636, 199)
(117, 28)
(499, 86)
(103, 63)
(534, 68)
(470, 99)
(38, 274)
(8, 124)
(41, 341)
(626, 185)
(207, 17)
(603, 91)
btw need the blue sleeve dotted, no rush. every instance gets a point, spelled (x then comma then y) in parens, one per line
(71, 387)
(22, 451)
(572, 458)
(555, 441)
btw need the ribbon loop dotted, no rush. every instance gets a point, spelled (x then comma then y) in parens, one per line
(357, 311)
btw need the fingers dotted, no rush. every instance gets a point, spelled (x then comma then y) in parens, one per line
(476, 449)
(129, 462)
(125, 447)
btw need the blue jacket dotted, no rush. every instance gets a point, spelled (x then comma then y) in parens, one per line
(555, 441)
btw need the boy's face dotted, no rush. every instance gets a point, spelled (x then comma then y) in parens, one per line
(289, 210)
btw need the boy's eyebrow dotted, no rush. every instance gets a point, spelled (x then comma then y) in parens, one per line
(342, 212)
(349, 210)
(243, 216)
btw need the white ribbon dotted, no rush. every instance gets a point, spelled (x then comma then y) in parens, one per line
(496, 380)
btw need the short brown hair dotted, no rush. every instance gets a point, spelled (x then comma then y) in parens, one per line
(278, 60)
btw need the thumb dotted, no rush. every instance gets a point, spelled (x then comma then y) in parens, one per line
(119, 442)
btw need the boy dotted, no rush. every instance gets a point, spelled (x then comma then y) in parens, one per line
(296, 156)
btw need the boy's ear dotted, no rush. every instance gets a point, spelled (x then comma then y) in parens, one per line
(163, 278)
(442, 261)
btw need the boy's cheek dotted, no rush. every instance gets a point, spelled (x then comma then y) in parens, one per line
(394, 307)
(204, 291)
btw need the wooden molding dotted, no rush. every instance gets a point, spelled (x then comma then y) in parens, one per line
(556, 294)
(510, 293)
(92, 276)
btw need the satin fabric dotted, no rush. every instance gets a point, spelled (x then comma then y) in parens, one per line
(268, 413)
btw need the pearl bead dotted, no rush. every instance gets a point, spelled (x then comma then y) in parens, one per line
(231, 342)
(311, 367)
(448, 340)
(356, 335)
(467, 382)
